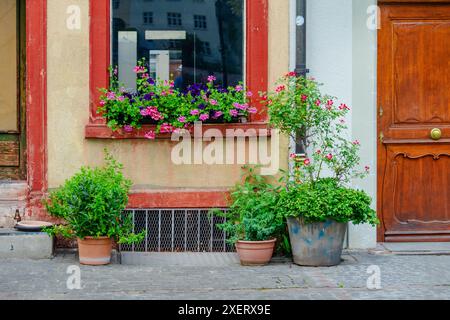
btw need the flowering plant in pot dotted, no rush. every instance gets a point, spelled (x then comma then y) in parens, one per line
(251, 223)
(92, 203)
(169, 108)
(318, 200)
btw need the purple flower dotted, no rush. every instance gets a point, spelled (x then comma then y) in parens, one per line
(195, 112)
(148, 96)
(128, 128)
(204, 117)
(202, 106)
(150, 81)
(252, 110)
(234, 113)
(218, 114)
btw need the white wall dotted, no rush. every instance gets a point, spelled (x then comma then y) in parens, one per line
(341, 53)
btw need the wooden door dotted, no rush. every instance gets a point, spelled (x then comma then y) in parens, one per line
(414, 121)
(12, 115)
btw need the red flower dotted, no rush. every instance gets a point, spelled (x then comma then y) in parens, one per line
(291, 74)
(330, 157)
(307, 162)
(304, 97)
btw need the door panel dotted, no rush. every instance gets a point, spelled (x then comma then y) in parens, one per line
(12, 103)
(414, 98)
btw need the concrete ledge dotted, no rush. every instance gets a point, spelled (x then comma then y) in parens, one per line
(25, 245)
(155, 259)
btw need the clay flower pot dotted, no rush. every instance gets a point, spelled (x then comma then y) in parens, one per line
(255, 253)
(95, 251)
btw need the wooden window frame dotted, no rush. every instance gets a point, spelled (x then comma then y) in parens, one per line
(257, 45)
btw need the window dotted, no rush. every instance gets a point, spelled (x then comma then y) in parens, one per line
(116, 4)
(148, 17)
(199, 22)
(104, 35)
(177, 50)
(174, 19)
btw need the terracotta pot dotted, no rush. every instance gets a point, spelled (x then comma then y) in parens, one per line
(255, 253)
(95, 251)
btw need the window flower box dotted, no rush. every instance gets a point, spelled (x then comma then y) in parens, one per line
(170, 109)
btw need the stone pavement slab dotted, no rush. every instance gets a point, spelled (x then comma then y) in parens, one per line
(402, 277)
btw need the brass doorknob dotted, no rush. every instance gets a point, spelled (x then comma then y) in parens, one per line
(436, 134)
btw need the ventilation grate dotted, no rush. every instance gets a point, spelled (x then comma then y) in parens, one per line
(178, 230)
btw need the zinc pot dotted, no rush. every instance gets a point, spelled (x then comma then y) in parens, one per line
(255, 253)
(95, 251)
(316, 244)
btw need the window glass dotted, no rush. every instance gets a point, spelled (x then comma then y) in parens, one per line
(182, 40)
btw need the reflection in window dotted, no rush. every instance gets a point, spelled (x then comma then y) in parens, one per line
(199, 21)
(148, 17)
(173, 19)
(209, 43)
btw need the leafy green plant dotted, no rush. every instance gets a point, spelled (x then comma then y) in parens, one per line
(326, 200)
(92, 203)
(252, 214)
(318, 188)
(169, 108)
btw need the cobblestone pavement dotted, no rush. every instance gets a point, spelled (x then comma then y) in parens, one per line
(402, 277)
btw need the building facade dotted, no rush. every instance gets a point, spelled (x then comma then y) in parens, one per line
(383, 58)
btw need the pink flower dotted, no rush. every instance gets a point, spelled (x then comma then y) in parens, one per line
(212, 78)
(166, 128)
(356, 143)
(120, 98)
(280, 88)
(318, 103)
(204, 117)
(343, 106)
(139, 69)
(367, 168)
(213, 102)
(239, 88)
(249, 94)
(145, 76)
(195, 112)
(151, 135)
(293, 156)
(128, 128)
(329, 157)
(240, 106)
(291, 74)
(252, 110)
(319, 151)
(218, 114)
(234, 113)
(330, 104)
(304, 97)
(102, 102)
(144, 112)
(111, 95)
(182, 119)
(307, 162)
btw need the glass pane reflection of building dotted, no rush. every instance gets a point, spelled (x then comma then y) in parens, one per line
(182, 40)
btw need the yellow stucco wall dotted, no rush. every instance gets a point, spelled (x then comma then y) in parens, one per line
(147, 163)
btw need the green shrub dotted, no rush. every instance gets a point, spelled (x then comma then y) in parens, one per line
(92, 203)
(252, 214)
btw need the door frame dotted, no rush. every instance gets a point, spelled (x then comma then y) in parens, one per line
(36, 104)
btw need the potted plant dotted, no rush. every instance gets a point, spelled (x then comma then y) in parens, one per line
(251, 223)
(318, 200)
(92, 203)
(170, 108)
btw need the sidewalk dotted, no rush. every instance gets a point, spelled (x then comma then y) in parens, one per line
(402, 277)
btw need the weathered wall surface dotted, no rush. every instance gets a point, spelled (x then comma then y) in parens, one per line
(147, 163)
(341, 53)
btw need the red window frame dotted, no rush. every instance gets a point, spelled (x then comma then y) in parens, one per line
(100, 46)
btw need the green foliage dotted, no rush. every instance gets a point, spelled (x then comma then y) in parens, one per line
(161, 103)
(92, 204)
(325, 199)
(252, 215)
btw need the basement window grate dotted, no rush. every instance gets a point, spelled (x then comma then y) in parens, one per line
(178, 230)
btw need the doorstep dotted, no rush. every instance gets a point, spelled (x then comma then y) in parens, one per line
(412, 248)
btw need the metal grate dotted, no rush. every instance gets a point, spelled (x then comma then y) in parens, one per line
(178, 230)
